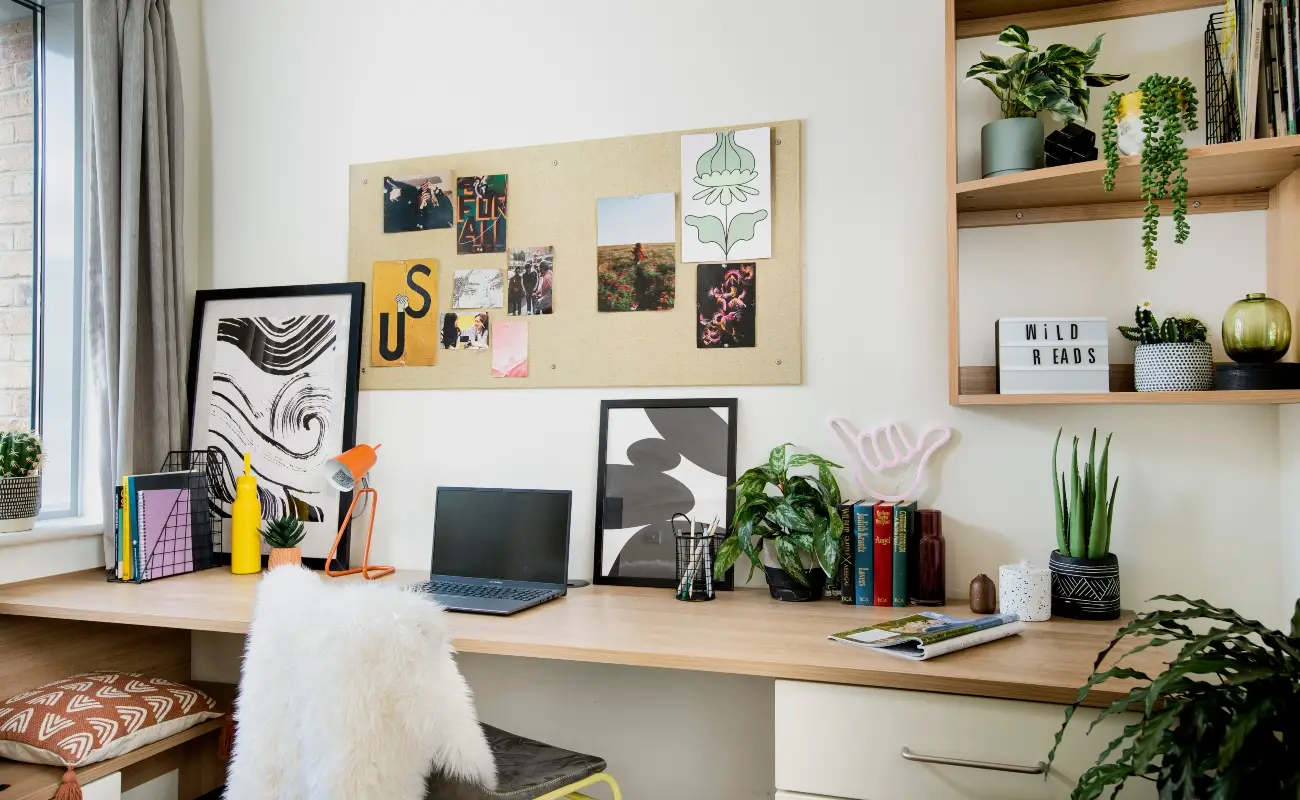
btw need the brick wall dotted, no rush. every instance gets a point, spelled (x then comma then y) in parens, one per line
(16, 213)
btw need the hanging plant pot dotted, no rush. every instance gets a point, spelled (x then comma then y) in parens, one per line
(20, 499)
(1084, 588)
(1011, 145)
(1173, 367)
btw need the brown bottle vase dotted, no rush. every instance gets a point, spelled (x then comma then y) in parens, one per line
(931, 583)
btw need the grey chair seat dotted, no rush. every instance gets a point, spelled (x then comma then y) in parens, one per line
(525, 769)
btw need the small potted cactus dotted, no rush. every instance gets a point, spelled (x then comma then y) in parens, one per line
(1172, 356)
(1085, 574)
(283, 535)
(20, 479)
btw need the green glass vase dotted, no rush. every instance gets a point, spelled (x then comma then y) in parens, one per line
(1256, 330)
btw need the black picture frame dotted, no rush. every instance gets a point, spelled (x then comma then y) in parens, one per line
(723, 582)
(354, 298)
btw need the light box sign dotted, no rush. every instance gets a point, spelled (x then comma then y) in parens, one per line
(1052, 355)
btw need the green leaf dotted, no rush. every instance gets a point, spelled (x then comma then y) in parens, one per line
(1017, 37)
(791, 519)
(832, 486)
(742, 227)
(1095, 47)
(728, 552)
(745, 538)
(787, 554)
(778, 462)
(1099, 79)
(1295, 621)
(992, 86)
(801, 459)
(709, 230)
(1076, 504)
(1061, 545)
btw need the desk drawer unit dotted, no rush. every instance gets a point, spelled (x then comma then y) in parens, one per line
(848, 742)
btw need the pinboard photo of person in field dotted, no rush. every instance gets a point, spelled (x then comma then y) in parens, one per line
(636, 262)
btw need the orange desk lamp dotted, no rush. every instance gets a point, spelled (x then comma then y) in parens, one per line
(344, 472)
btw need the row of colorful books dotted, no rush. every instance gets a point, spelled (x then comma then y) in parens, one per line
(878, 553)
(161, 518)
(1259, 45)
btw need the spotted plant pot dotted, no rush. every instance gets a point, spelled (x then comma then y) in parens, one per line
(1173, 367)
(20, 499)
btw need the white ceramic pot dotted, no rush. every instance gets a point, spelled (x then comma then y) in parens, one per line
(1173, 367)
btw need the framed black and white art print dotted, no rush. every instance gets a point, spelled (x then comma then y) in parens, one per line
(659, 458)
(273, 373)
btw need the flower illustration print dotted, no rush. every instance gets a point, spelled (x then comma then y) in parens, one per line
(725, 172)
(726, 194)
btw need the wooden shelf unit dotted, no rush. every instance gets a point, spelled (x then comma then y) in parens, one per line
(990, 17)
(1261, 174)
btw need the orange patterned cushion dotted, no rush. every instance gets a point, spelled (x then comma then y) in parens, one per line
(96, 716)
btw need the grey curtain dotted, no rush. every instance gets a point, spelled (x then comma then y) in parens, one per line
(135, 274)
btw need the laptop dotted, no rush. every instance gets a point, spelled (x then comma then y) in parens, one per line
(498, 551)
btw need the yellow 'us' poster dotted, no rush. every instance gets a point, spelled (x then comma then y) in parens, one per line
(404, 323)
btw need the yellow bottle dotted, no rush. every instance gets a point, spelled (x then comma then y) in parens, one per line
(245, 522)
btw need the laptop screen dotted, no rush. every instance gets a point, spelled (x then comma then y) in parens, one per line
(504, 534)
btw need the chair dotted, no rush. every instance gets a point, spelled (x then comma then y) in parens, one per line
(351, 690)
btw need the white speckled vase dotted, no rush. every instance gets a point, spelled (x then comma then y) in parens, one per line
(1025, 591)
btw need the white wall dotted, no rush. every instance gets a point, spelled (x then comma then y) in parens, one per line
(1289, 478)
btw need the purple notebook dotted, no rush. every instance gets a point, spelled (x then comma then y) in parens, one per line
(164, 522)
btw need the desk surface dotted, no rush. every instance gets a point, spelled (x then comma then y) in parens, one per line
(742, 632)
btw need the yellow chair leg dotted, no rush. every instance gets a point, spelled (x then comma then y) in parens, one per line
(571, 791)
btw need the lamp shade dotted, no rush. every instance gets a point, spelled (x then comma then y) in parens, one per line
(346, 469)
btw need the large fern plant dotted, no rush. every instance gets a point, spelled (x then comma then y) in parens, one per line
(1222, 722)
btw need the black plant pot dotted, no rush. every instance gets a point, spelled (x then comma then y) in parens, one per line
(783, 587)
(1084, 588)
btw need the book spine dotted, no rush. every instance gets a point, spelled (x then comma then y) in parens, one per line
(132, 502)
(117, 531)
(141, 524)
(126, 532)
(884, 555)
(1292, 74)
(1253, 48)
(848, 590)
(903, 518)
(864, 583)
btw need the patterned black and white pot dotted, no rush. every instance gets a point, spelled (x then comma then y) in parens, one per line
(1173, 367)
(1084, 588)
(20, 499)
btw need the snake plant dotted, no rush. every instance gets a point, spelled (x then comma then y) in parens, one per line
(1083, 516)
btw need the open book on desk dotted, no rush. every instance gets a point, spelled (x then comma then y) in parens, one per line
(930, 634)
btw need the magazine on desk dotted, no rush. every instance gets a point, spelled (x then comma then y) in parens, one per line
(930, 634)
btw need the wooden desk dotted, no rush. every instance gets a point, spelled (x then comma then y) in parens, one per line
(742, 632)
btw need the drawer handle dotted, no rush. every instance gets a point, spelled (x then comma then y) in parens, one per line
(1038, 769)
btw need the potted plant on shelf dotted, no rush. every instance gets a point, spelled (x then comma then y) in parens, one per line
(283, 535)
(1151, 121)
(1085, 574)
(20, 479)
(788, 524)
(1172, 356)
(1233, 734)
(1057, 80)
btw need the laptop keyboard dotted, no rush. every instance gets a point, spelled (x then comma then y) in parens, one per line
(479, 590)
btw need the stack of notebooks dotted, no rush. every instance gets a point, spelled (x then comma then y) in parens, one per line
(161, 526)
(878, 553)
(1259, 46)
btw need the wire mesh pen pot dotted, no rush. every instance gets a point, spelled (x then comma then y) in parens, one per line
(696, 552)
(20, 499)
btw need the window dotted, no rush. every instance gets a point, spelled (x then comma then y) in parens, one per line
(40, 236)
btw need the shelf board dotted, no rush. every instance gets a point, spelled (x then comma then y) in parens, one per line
(40, 782)
(977, 386)
(1232, 168)
(990, 17)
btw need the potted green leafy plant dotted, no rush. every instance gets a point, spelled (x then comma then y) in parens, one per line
(786, 523)
(1085, 574)
(1151, 121)
(1057, 80)
(1235, 735)
(1171, 356)
(283, 535)
(20, 479)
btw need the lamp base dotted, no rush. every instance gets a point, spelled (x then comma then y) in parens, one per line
(365, 570)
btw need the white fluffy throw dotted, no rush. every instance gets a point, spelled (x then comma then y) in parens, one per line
(350, 691)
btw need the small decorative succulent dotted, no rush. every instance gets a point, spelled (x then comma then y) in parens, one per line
(1172, 330)
(284, 533)
(1057, 80)
(20, 453)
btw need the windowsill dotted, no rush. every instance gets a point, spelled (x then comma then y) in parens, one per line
(54, 530)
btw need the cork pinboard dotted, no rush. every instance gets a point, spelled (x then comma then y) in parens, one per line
(551, 200)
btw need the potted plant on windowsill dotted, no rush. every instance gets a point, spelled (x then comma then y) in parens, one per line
(1085, 574)
(1057, 80)
(284, 535)
(1172, 356)
(788, 524)
(1232, 735)
(20, 479)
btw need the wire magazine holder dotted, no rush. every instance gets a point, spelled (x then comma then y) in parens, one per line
(189, 539)
(1222, 120)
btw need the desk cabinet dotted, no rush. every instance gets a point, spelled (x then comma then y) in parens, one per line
(865, 762)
